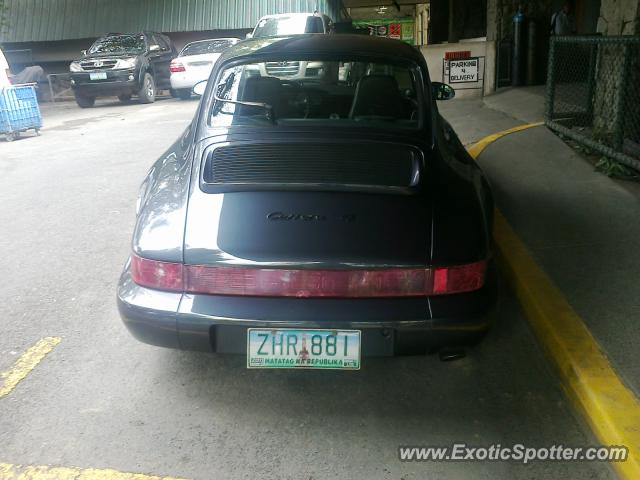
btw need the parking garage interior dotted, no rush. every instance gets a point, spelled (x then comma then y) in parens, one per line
(552, 121)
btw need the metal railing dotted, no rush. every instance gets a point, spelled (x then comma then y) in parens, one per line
(593, 94)
(59, 86)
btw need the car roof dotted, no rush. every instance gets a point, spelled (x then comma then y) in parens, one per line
(310, 44)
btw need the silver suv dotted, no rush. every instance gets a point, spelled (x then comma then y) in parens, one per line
(291, 24)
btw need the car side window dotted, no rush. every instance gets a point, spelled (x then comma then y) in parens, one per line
(405, 82)
(328, 24)
(314, 25)
(158, 40)
(167, 41)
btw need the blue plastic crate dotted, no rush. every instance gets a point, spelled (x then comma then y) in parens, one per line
(19, 110)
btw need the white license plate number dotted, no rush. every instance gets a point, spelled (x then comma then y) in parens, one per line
(303, 348)
(98, 76)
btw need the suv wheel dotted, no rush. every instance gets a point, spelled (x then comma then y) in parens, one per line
(84, 101)
(125, 98)
(147, 93)
(184, 94)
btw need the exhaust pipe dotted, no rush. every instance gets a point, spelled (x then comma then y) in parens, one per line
(450, 354)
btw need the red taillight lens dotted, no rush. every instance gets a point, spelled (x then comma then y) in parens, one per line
(176, 67)
(307, 283)
(458, 279)
(158, 275)
(397, 282)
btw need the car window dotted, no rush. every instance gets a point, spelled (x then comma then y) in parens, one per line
(286, 25)
(209, 46)
(158, 40)
(317, 92)
(119, 44)
(167, 41)
(314, 25)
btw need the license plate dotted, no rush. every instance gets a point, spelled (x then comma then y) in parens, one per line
(293, 348)
(98, 76)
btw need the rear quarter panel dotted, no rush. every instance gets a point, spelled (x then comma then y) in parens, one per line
(159, 230)
(463, 204)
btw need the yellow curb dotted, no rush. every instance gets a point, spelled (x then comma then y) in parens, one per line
(476, 149)
(26, 472)
(27, 362)
(595, 389)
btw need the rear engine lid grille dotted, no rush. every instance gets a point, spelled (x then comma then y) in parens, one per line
(361, 167)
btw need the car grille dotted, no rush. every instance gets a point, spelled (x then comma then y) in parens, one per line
(98, 64)
(325, 166)
(282, 69)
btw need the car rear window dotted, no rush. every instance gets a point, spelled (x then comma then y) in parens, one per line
(209, 46)
(288, 25)
(319, 92)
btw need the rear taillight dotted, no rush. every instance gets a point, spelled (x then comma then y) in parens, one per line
(306, 283)
(397, 282)
(176, 67)
(458, 279)
(158, 275)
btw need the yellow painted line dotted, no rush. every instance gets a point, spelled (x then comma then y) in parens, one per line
(27, 362)
(27, 472)
(476, 149)
(610, 408)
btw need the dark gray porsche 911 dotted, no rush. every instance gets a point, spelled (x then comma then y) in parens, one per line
(317, 210)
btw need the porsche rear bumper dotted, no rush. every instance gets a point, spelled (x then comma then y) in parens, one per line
(389, 326)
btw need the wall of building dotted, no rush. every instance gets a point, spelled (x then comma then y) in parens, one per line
(435, 55)
(452, 20)
(54, 20)
(619, 17)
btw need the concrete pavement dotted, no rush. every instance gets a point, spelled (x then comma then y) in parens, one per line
(103, 400)
(580, 225)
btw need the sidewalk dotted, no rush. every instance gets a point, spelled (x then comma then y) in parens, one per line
(474, 119)
(581, 226)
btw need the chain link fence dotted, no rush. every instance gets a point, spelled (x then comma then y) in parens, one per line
(593, 94)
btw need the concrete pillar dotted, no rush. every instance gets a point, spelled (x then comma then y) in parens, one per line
(619, 17)
(493, 8)
(491, 61)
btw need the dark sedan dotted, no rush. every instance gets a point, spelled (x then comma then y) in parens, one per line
(317, 210)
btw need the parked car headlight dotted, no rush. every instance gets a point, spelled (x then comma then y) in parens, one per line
(75, 67)
(125, 63)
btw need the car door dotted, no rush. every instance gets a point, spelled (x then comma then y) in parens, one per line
(161, 59)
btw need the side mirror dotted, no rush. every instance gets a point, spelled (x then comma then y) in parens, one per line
(83, 52)
(249, 35)
(442, 91)
(154, 48)
(199, 88)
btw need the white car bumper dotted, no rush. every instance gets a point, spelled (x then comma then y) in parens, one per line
(186, 80)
